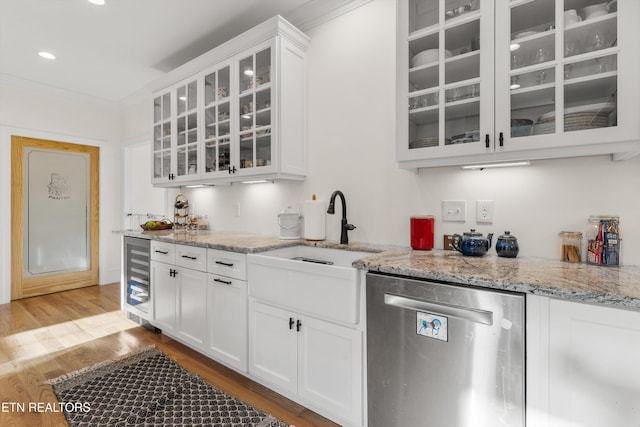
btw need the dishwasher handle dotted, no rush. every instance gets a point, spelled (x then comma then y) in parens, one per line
(465, 313)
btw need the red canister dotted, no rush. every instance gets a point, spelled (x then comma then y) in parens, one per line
(422, 232)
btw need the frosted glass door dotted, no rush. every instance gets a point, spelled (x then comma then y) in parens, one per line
(56, 212)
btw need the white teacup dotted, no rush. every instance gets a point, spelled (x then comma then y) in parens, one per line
(571, 17)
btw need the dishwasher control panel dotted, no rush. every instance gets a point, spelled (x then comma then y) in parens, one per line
(431, 326)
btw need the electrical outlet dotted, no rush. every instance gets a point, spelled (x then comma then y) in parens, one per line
(446, 242)
(454, 210)
(484, 211)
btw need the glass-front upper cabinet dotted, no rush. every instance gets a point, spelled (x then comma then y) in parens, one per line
(446, 58)
(162, 137)
(217, 121)
(187, 130)
(254, 112)
(566, 69)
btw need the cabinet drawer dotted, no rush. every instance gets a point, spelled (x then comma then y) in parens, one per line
(163, 252)
(229, 264)
(191, 257)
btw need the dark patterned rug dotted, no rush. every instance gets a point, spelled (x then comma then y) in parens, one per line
(149, 389)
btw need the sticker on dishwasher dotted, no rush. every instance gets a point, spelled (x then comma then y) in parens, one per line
(432, 326)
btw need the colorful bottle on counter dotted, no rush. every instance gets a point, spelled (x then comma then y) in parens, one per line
(603, 240)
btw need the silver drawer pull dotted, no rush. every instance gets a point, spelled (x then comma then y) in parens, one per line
(226, 282)
(226, 264)
(464, 313)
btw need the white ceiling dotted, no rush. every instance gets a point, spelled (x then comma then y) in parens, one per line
(114, 50)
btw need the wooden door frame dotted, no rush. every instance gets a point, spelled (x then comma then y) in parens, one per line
(55, 282)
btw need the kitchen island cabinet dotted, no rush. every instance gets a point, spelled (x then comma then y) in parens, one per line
(502, 81)
(582, 366)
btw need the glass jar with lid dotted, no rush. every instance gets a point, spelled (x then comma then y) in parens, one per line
(571, 246)
(603, 240)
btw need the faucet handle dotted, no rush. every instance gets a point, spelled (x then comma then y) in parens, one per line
(350, 227)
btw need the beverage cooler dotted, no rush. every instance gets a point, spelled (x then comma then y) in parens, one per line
(136, 283)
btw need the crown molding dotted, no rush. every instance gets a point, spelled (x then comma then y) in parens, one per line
(317, 12)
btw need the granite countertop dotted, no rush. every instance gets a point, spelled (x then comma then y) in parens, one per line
(618, 286)
(242, 242)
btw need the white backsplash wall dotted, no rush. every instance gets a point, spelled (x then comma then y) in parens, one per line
(351, 124)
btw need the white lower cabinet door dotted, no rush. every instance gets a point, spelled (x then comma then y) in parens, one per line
(163, 287)
(227, 320)
(330, 368)
(594, 369)
(191, 315)
(273, 352)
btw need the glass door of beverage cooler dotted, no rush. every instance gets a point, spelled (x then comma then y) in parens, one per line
(254, 112)
(136, 277)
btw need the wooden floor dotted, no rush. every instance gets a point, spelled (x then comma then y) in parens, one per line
(47, 336)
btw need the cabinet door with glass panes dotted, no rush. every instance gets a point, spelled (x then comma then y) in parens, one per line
(217, 127)
(445, 78)
(254, 121)
(162, 135)
(187, 140)
(566, 73)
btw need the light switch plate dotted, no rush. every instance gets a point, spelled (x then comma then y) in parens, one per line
(454, 210)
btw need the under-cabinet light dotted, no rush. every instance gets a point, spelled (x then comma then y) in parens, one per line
(47, 55)
(258, 181)
(198, 185)
(98, 2)
(496, 165)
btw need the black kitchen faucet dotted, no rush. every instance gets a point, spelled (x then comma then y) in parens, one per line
(344, 238)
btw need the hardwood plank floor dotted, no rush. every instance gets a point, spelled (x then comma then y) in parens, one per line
(47, 336)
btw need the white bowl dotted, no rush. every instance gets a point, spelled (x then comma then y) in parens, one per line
(428, 56)
(595, 10)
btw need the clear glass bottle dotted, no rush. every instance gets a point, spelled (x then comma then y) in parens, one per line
(571, 246)
(603, 240)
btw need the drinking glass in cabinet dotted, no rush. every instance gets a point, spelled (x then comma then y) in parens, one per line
(423, 101)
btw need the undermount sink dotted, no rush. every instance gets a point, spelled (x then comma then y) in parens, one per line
(316, 281)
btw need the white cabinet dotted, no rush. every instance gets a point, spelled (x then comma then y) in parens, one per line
(241, 115)
(227, 308)
(318, 361)
(179, 284)
(510, 80)
(586, 374)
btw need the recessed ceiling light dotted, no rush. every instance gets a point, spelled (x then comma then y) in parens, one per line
(47, 55)
(98, 2)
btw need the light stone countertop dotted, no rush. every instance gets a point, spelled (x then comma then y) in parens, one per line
(241, 242)
(616, 286)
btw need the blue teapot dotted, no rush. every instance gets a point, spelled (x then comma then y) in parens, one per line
(507, 245)
(471, 243)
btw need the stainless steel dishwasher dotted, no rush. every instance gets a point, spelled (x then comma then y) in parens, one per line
(443, 355)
